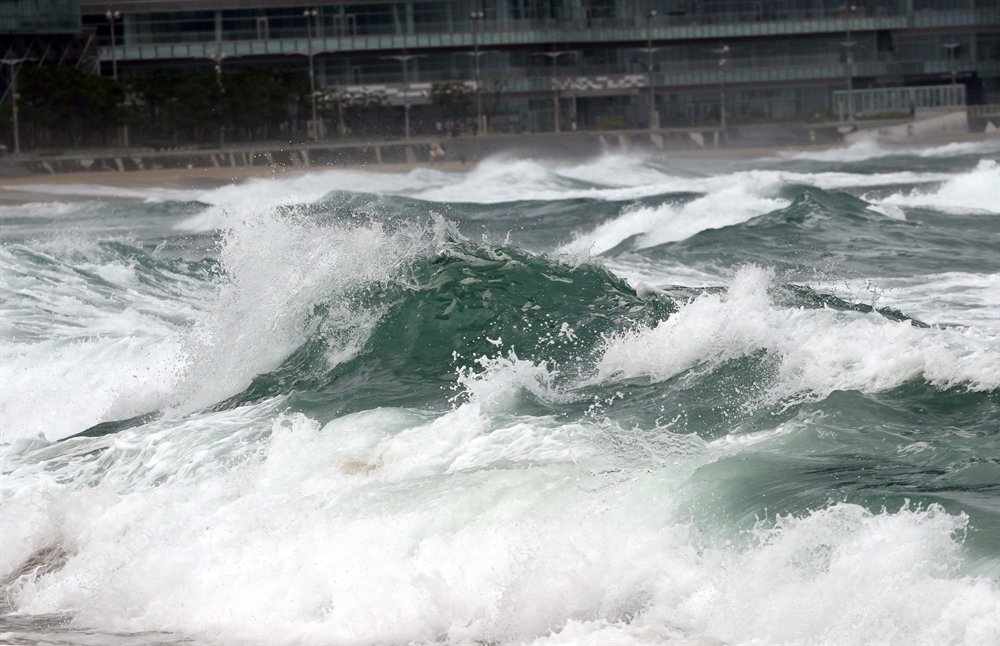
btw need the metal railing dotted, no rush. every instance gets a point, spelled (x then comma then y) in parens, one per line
(900, 99)
(988, 110)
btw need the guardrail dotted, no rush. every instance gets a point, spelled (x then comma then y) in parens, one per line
(988, 110)
(900, 99)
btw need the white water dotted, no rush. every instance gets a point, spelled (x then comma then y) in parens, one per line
(475, 524)
(384, 527)
(129, 345)
(819, 350)
(975, 192)
(949, 299)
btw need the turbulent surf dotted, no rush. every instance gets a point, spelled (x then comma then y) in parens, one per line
(629, 401)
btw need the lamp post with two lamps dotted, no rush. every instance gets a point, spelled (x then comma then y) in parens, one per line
(310, 16)
(722, 52)
(476, 16)
(555, 86)
(951, 47)
(849, 44)
(404, 59)
(654, 116)
(113, 17)
(217, 58)
(15, 65)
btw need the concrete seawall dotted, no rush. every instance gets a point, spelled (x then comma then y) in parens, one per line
(570, 145)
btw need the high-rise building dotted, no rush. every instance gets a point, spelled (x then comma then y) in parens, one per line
(586, 61)
(46, 31)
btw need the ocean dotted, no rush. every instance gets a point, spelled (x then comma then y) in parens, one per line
(632, 400)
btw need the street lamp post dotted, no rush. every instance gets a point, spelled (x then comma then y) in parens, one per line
(849, 44)
(476, 16)
(112, 16)
(15, 64)
(951, 47)
(310, 15)
(654, 116)
(722, 51)
(218, 58)
(555, 86)
(404, 59)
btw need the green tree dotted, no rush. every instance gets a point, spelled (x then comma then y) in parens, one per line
(259, 100)
(455, 98)
(181, 103)
(67, 105)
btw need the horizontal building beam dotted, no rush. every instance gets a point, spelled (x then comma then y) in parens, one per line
(567, 35)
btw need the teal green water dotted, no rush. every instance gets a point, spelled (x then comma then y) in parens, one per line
(627, 401)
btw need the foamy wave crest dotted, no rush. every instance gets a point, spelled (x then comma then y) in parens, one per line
(815, 579)
(977, 191)
(300, 188)
(502, 379)
(388, 527)
(728, 205)
(612, 178)
(176, 342)
(819, 350)
(95, 328)
(727, 200)
(276, 270)
(871, 149)
(39, 209)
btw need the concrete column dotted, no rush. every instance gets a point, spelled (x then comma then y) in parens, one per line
(218, 25)
(409, 17)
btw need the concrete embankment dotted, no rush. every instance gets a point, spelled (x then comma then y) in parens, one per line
(453, 153)
(569, 145)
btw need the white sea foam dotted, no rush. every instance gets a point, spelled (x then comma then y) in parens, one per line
(618, 178)
(977, 191)
(820, 350)
(813, 580)
(39, 209)
(497, 180)
(154, 194)
(478, 524)
(387, 526)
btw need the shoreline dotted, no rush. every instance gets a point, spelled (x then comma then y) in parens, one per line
(216, 177)
(177, 178)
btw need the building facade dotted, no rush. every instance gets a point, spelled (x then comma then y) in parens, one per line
(584, 63)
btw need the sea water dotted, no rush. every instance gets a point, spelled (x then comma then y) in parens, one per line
(635, 400)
